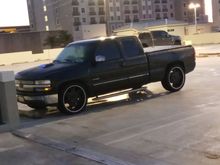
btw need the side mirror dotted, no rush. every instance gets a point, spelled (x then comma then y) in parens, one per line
(100, 58)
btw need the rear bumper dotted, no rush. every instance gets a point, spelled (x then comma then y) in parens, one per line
(44, 100)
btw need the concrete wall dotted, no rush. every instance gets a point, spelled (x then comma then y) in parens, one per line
(22, 57)
(18, 42)
(206, 38)
(126, 32)
(91, 31)
(201, 28)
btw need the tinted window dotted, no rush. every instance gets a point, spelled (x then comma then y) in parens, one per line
(77, 53)
(131, 47)
(144, 36)
(109, 49)
(159, 34)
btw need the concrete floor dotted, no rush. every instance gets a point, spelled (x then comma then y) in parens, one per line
(157, 128)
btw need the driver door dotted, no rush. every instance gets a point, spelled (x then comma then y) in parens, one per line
(108, 74)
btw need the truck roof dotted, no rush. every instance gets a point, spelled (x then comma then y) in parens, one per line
(99, 39)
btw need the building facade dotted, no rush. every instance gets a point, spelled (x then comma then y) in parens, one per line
(72, 15)
(121, 12)
(216, 14)
(183, 13)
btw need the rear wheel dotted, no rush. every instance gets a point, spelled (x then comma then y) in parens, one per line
(174, 79)
(177, 42)
(72, 99)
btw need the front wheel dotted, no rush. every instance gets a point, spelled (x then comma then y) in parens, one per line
(72, 99)
(174, 79)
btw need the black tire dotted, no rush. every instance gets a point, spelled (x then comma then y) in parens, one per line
(177, 43)
(72, 99)
(174, 79)
(145, 45)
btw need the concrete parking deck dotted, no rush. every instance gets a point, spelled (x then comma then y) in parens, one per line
(155, 128)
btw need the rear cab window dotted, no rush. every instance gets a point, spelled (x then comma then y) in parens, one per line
(109, 49)
(131, 47)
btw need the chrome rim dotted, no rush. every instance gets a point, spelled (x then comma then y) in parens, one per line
(74, 98)
(176, 77)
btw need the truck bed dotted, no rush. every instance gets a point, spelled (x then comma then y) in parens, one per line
(159, 48)
(161, 57)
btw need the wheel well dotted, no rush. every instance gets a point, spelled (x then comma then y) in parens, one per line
(74, 82)
(177, 63)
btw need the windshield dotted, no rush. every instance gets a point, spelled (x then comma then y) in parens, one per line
(77, 53)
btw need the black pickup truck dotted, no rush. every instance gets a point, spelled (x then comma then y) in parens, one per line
(94, 67)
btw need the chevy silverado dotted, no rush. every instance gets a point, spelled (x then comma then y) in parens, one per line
(90, 68)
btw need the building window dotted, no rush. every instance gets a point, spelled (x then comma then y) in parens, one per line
(45, 18)
(45, 8)
(47, 28)
(83, 10)
(84, 19)
(93, 20)
(171, 15)
(57, 21)
(76, 28)
(171, 6)
(102, 20)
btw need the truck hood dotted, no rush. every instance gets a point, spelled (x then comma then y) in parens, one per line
(45, 71)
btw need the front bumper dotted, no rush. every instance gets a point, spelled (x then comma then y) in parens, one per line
(44, 100)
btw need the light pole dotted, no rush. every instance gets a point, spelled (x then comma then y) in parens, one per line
(194, 6)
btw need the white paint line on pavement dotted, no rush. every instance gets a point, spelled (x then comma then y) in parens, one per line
(157, 128)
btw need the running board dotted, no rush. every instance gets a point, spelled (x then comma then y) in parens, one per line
(119, 93)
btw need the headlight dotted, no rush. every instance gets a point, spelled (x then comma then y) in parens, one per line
(42, 85)
(42, 82)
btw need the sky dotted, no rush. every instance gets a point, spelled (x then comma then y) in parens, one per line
(13, 13)
(208, 10)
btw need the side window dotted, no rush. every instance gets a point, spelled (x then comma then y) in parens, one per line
(164, 34)
(159, 34)
(143, 36)
(109, 49)
(131, 47)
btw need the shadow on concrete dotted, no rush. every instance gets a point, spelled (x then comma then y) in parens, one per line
(37, 117)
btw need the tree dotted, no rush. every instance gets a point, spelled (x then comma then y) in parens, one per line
(50, 41)
(64, 38)
(60, 39)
